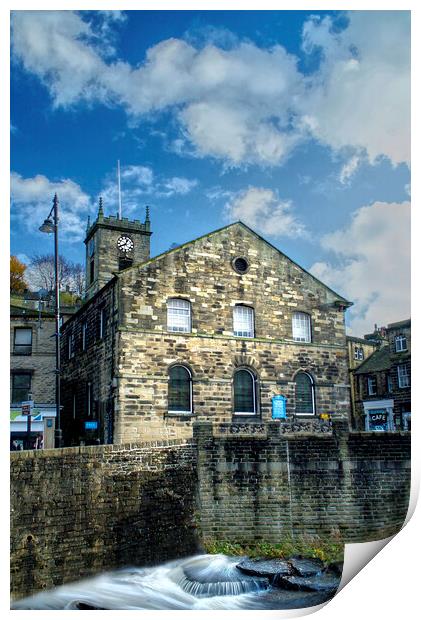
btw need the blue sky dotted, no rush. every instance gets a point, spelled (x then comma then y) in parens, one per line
(297, 123)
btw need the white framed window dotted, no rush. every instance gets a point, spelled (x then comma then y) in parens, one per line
(305, 402)
(400, 343)
(243, 321)
(301, 327)
(358, 353)
(178, 315)
(403, 376)
(372, 386)
(245, 400)
(23, 341)
(180, 390)
(102, 323)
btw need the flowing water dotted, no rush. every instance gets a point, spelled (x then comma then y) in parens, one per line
(198, 582)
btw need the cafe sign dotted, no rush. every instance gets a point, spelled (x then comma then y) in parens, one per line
(378, 420)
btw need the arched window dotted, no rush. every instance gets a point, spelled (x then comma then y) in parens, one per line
(180, 390)
(178, 315)
(304, 394)
(301, 327)
(245, 397)
(243, 321)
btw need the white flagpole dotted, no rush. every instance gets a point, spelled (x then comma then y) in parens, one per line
(119, 189)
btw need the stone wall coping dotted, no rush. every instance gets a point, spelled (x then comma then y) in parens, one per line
(109, 448)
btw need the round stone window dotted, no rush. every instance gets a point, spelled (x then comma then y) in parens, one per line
(240, 265)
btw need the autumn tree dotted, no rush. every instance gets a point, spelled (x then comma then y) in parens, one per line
(17, 276)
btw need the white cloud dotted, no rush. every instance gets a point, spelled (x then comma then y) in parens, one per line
(32, 201)
(262, 210)
(178, 185)
(372, 265)
(139, 182)
(349, 169)
(361, 94)
(244, 104)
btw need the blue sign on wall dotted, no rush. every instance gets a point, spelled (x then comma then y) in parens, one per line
(92, 425)
(279, 407)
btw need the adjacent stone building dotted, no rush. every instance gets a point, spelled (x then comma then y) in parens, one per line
(210, 330)
(359, 349)
(32, 371)
(382, 383)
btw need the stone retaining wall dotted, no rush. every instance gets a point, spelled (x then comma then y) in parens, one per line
(79, 511)
(271, 485)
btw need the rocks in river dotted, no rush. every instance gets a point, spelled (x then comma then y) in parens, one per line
(265, 568)
(306, 567)
(336, 568)
(305, 574)
(82, 605)
(322, 582)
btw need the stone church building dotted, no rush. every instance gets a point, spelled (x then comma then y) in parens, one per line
(211, 330)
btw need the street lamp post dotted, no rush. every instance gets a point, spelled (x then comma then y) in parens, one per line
(51, 226)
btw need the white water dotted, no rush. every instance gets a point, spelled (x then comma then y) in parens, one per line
(199, 582)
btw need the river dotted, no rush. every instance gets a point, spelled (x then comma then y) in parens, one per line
(199, 582)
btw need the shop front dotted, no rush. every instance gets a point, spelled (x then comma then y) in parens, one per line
(379, 415)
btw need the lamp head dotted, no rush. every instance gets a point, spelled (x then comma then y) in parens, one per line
(47, 226)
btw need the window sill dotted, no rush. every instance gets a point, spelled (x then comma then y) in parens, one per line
(180, 414)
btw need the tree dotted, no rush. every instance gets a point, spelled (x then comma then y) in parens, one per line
(41, 272)
(17, 273)
(76, 281)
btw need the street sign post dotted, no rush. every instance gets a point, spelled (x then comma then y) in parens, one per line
(27, 406)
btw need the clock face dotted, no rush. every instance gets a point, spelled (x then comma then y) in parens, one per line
(125, 244)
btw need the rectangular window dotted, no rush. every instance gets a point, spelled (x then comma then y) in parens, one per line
(70, 346)
(102, 323)
(89, 399)
(358, 353)
(21, 386)
(400, 343)
(389, 384)
(84, 335)
(22, 341)
(301, 327)
(91, 271)
(178, 315)
(372, 386)
(403, 376)
(243, 321)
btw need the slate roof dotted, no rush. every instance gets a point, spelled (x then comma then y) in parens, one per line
(29, 312)
(379, 360)
(406, 323)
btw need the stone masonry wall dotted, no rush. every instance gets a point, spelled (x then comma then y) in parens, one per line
(202, 273)
(76, 512)
(41, 362)
(81, 511)
(90, 368)
(268, 486)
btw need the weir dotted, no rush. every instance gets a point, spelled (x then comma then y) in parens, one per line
(77, 512)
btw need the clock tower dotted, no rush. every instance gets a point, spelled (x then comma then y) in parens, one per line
(113, 244)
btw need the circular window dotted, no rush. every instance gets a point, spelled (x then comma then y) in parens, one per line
(240, 265)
